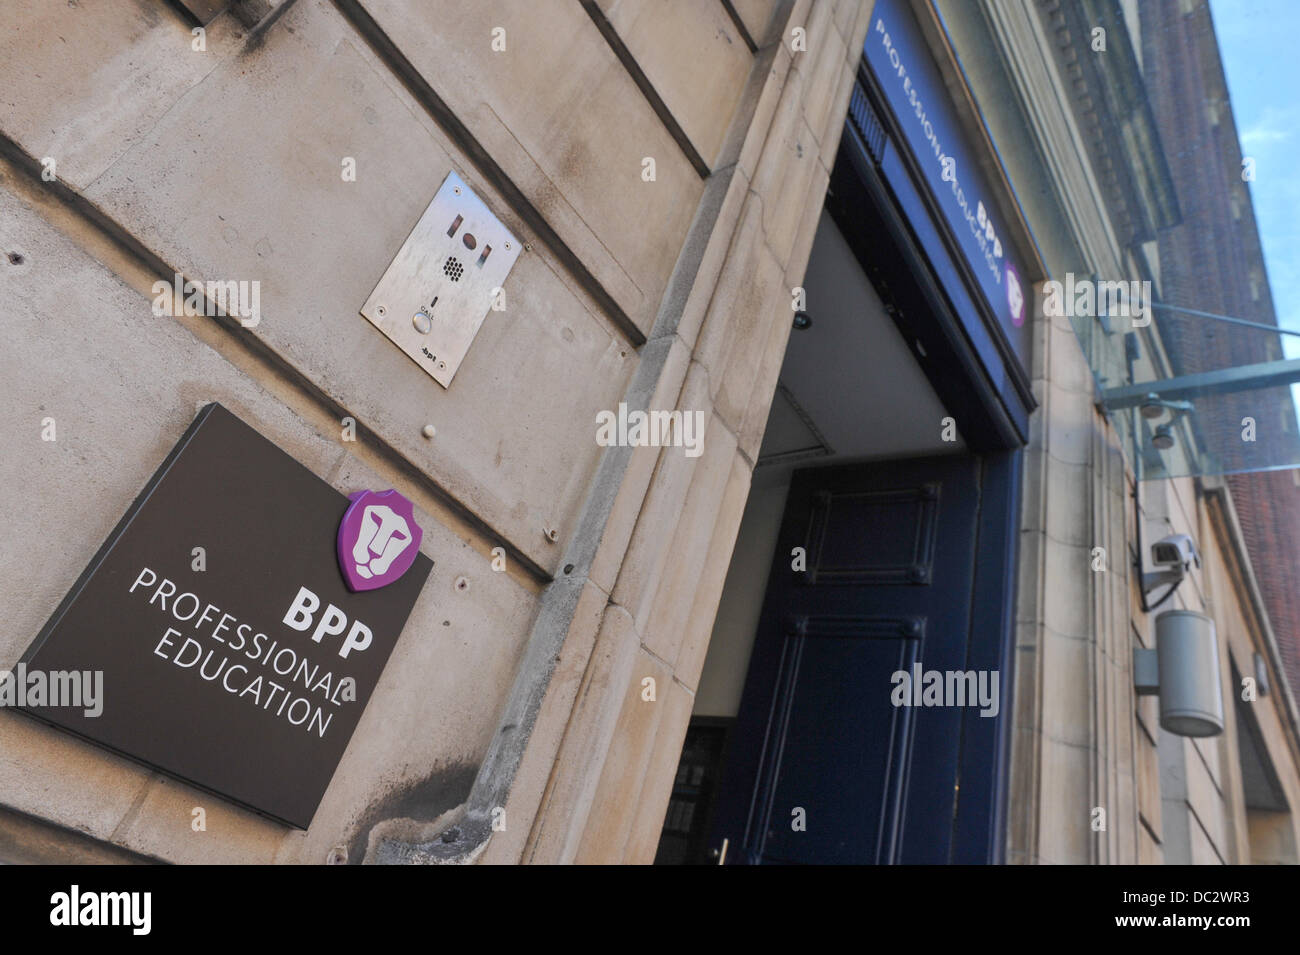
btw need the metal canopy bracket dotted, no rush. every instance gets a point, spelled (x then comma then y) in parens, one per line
(1269, 374)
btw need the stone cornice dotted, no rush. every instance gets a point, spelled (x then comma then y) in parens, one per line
(1108, 97)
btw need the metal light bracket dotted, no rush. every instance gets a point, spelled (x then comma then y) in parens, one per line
(443, 281)
(1146, 672)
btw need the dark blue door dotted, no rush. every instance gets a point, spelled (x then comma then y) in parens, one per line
(907, 562)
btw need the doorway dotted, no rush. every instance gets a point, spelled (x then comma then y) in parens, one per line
(869, 677)
(875, 542)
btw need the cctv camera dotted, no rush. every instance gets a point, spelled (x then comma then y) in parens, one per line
(1174, 555)
(1175, 551)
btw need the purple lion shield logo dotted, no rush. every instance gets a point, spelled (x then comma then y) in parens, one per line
(378, 539)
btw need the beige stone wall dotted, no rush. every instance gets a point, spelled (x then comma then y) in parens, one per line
(1082, 740)
(1073, 729)
(525, 691)
(598, 784)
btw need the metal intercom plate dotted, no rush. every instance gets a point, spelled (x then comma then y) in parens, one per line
(437, 291)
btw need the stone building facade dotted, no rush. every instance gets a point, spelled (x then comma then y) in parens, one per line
(668, 170)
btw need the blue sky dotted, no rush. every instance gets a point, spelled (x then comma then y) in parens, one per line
(1257, 43)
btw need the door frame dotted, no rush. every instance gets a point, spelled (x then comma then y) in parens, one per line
(979, 822)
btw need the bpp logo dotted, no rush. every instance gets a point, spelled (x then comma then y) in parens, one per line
(378, 539)
(1015, 296)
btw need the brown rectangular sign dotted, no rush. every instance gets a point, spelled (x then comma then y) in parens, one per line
(234, 655)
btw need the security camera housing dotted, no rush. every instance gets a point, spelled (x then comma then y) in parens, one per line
(1175, 555)
(1176, 550)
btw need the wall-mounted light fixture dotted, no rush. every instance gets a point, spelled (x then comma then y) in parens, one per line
(1154, 406)
(1183, 670)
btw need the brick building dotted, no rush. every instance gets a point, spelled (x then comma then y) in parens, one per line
(1212, 261)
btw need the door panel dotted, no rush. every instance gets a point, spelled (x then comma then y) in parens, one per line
(890, 581)
(849, 791)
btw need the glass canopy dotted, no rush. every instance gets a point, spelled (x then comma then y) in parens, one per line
(1192, 392)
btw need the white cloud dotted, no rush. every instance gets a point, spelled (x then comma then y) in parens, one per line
(1262, 135)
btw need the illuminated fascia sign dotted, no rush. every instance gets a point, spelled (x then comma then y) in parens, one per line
(235, 653)
(896, 53)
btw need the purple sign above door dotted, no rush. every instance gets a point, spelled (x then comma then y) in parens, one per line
(896, 53)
